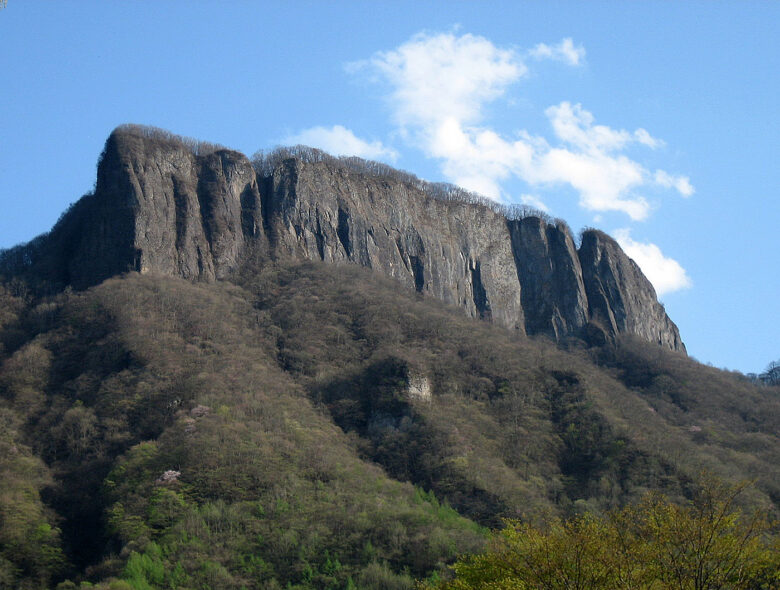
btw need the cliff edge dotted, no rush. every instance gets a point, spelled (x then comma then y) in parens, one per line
(165, 205)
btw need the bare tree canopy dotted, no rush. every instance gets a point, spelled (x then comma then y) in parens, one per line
(265, 161)
(771, 376)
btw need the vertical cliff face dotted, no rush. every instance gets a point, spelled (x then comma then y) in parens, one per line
(159, 207)
(550, 276)
(191, 214)
(456, 252)
(621, 298)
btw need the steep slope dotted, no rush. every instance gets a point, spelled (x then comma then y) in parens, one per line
(458, 252)
(149, 414)
(271, 431)
(161, 206)
(550, 276)
(621, 299)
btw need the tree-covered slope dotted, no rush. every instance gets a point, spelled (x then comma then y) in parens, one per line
(316, 426)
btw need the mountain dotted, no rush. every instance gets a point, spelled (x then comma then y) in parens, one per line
(164, 206)
(194, 393)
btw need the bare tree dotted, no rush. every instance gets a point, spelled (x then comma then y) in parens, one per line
(197, 147)
(771, 376)
(266, 161)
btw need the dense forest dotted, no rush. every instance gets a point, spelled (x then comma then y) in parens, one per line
(305, 425)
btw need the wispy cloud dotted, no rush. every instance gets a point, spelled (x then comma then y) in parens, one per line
(340, 141)
(440, 85)
(564, 51)
(681, 183)
(589, 160)
(440, 77)
(535, 202)
(643, 137)
(575, 126)
(666, 274)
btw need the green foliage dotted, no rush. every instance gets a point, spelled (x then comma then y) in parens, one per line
(728, 425)
(30, 543)
(703, 544)
(146, 570)
(282, 405)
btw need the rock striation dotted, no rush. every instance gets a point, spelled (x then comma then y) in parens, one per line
(620, 298)
(454, 251)
(163, 206)
(550, 277)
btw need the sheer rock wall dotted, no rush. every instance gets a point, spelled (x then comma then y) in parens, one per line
(158, 207)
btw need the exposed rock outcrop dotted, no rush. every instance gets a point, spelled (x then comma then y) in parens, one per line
(620, 297)
(457, 252)
(550, 276)
(160, 207)
(188, 215)
(419, 388)
(157, 207)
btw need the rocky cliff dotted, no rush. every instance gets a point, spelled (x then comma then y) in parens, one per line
(620, 298)
(161, 206)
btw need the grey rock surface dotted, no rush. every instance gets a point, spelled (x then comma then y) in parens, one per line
(550, 276)
(621, 299)
(157, 207)
(191, 215)
(457, 252)
(160, 208)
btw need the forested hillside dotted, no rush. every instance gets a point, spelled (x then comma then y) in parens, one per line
(306, 425)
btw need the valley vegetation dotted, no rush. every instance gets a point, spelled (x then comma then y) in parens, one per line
(262, 433)
(705, 543)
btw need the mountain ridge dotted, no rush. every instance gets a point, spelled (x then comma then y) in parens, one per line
(175, 207)
(307, 418)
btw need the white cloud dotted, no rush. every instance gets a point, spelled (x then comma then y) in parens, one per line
(440, 77)
(476, 158)
(666, 274)
(564, 51)
(440, 86)
(643, 137)
(574, 125)
(341, 141)
(604, 182)
(535, 202)
(681, 183)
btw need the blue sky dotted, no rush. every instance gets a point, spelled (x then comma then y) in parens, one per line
(656, 121)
